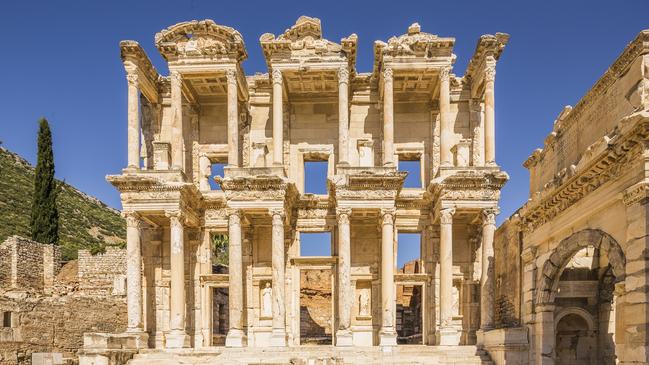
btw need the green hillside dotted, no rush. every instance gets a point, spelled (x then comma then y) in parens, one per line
(85, 222)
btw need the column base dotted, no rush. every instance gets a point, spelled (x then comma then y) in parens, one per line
(176, 340)
(449, 336)
(278, 338)
(344, 338)
(387, 338)
(236, 338)
(139, 338)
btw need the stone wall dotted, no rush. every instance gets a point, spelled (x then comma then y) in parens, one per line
(27, 264)
(47, 312)
(315, 306)
(103, 274)
(44, 323)
(507, 292)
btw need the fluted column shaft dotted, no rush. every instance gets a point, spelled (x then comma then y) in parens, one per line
(388, 117)
(278, 118)
(343, 115)
(233, 119)
(446, 267)
(133, 121)
(235, 336)
(446, 128)
(388, 332)
(345, 300)
(177, 121)
(490, 116)
(279, 303)
(486, 277)
(133, 273)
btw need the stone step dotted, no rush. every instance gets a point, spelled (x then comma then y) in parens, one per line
(316, 355)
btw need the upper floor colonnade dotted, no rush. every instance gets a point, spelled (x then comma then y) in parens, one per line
(167, 115)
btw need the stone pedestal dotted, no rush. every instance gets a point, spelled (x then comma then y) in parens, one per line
(344, 338)
(449, 336)
(235, 338)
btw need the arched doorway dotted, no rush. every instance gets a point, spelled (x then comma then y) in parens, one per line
(575, 338)
(575, 307)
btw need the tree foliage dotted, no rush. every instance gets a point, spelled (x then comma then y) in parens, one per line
(45, 216)
(220, 249)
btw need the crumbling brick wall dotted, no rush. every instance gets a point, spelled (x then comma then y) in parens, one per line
(103, 273)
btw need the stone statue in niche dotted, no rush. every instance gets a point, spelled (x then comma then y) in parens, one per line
(267, 301)
(364, 303)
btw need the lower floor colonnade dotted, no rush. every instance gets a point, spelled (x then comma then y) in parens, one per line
(256, 278)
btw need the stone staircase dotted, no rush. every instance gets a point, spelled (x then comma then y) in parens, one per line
(317, 355)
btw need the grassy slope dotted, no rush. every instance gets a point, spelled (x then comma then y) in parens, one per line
(85, 222)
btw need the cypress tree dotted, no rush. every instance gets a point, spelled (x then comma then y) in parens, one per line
(45, 216)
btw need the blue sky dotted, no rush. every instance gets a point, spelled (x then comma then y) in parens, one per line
(60, 59)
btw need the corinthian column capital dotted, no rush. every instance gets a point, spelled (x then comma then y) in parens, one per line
(231, 76)
(387, 74)
(133, 219)
(343, 75)
(277, 214)
(445, 73)
(490, 73)
(277, 76)
(343, 214)
(446, 215)
(175, 216)
(489, 216)
(132, 79)
(387, 215)
(175, 76)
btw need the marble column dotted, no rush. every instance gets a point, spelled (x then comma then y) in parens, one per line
(388, 118)
(448, 334)
(177, 121)
(345, 291)
(343, 115)
(278, 118)
(133, 272)
(278, 336)
(446, 127)
(133, 121)
(177, 337)
(388, 334)
(235, 337)
(487, 267)
(233, 119)
(490, 116)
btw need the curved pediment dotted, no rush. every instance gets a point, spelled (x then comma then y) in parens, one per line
(304, 40)
(202, 38)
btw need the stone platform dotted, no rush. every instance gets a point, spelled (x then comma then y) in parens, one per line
(316, 355)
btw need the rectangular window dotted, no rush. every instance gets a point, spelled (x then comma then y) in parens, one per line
(6, 319)
(220, 256)
(315, 177)
(413, 168)
(217, 170)
(315, 243)
(409, 253)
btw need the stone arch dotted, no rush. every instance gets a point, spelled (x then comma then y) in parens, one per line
(588, 318)
(553, 267)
